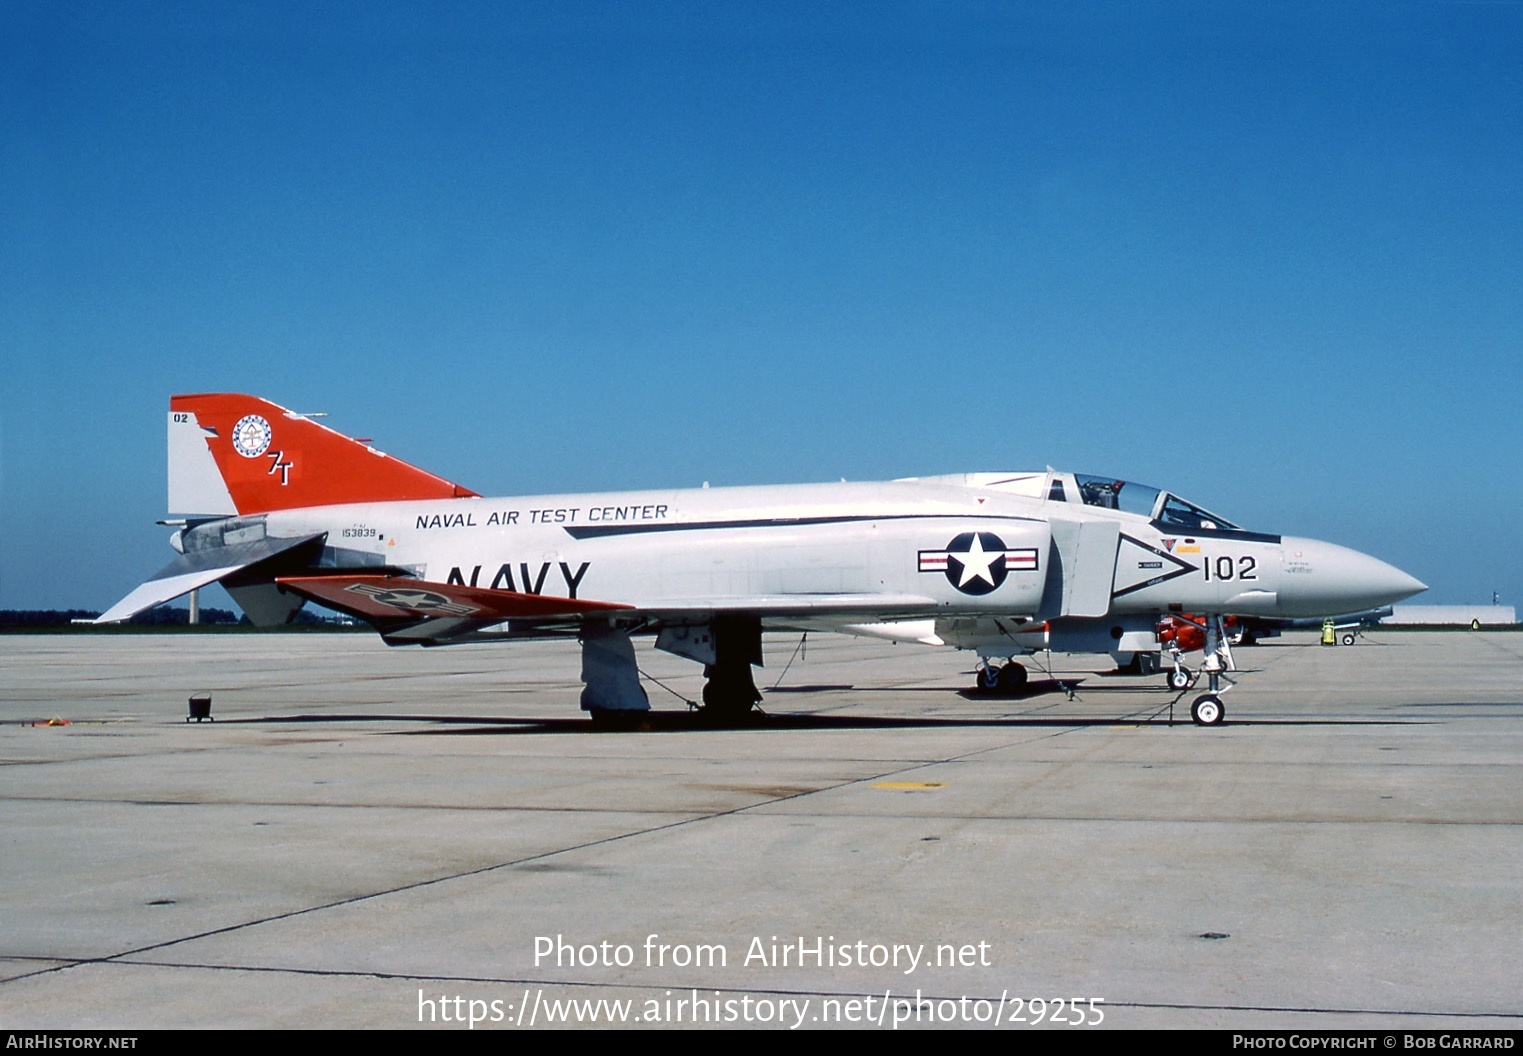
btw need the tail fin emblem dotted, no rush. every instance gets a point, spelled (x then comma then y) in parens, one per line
(251, 436)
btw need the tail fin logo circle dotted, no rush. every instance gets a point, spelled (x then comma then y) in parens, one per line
(251, 436)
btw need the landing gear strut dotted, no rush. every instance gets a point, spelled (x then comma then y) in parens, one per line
(731, 693)
(1207, 709)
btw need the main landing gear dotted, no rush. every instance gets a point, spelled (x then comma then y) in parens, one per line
(730, 692)
(1008, 679)
(727, 648)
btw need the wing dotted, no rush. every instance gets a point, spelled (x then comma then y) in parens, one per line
(372, 597)
(404, 609)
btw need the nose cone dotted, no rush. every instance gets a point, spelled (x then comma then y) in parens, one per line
(1321, 579)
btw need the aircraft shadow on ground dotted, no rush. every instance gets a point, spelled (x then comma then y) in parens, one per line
(657, 721)
(681, 722)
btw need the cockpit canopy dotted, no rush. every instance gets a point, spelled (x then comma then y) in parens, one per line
(1166, 510)
(1161, 507)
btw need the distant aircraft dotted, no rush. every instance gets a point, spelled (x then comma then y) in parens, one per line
(1348, 626)
(281, 509)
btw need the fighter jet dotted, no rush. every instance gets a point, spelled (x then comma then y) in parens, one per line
(281, 510)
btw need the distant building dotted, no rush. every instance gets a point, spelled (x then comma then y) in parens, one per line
(1454, 615)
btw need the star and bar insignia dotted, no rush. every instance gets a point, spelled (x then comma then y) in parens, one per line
(978, 562)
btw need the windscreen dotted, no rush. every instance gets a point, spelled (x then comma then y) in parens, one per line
(1177, 513)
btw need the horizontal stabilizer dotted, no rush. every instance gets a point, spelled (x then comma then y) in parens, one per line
(191, 571)
(372, 597)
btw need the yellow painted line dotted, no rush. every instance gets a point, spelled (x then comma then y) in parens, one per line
(911, 786)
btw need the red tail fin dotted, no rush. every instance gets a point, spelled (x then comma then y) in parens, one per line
(272, 459)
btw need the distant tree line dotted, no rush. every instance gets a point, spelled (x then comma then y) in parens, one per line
(42, 617)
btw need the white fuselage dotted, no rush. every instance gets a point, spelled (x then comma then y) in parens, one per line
(926, 544)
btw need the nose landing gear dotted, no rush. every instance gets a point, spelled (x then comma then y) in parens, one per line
(1207, 709)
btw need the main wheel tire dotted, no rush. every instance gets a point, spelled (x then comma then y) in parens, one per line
(1012, 678)
(1208, 710)
(728, 702)
(1179, 679)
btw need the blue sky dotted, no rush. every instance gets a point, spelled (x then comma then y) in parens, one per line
(1268, 255)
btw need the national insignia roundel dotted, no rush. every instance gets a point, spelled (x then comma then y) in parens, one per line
(976, 562)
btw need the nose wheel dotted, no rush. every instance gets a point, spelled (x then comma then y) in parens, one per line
(1208, 710)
